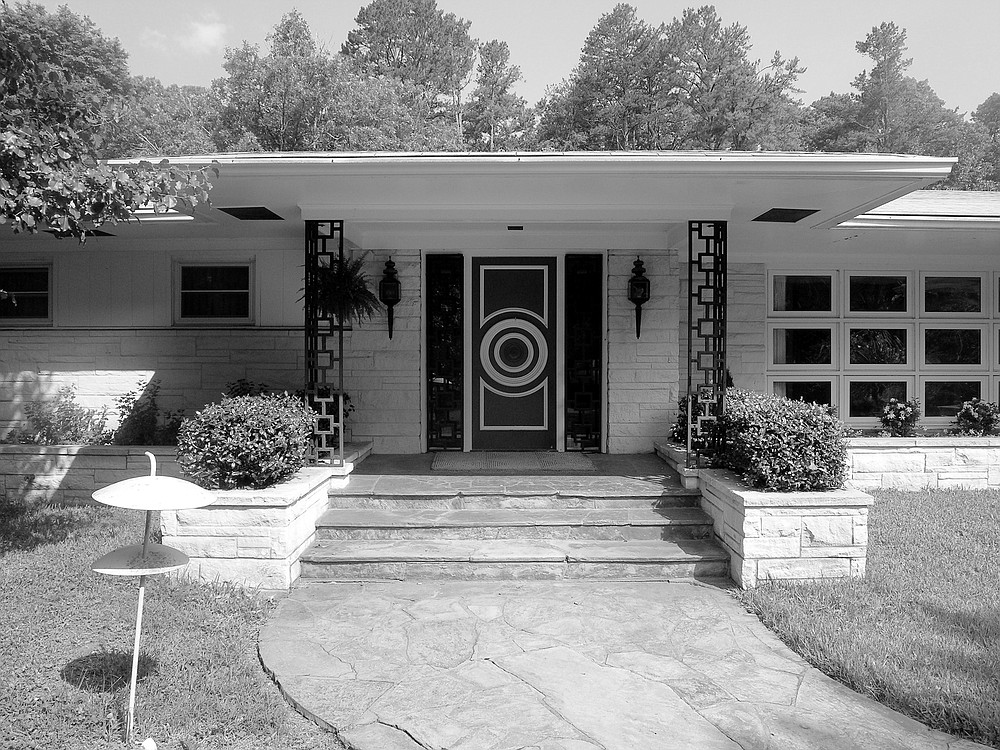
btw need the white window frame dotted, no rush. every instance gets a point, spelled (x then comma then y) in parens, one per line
(890, 324)
(984, 348)
(180, 264)
(797, 324)
(845, 395)
(834, 295)
(15, 322)
(910, 296)
(833, 380)
(985, 297)
(984, 394)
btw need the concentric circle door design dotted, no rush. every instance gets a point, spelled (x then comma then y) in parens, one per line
(513, 369)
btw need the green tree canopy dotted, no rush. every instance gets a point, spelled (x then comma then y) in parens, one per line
(299, 97)
(889, 112)
(415, 42)
(687, 84)
(496, 118)
(51, 91)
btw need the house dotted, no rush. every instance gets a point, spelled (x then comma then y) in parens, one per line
(524, 321)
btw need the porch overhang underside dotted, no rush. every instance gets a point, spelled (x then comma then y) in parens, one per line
(657, 190)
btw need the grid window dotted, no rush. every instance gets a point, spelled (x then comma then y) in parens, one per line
(28, 294)
(944, 398)
(878, 346)
(953, 346)
(810, 391)
(867, 398)
(803, 346)
(802, 293)
(215, 292)
(953, 294)
(877, 294)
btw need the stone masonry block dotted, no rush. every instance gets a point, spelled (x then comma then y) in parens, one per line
(909, 481)
(803, 568)
(827, 531)
(884, 462)
(770, 547)
(860, 534)
(781, 526)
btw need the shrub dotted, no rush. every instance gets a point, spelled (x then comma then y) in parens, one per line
(782, 445)
(245, 441)
(899, 418)
(62, 421)
(977, 418)
(140, 421)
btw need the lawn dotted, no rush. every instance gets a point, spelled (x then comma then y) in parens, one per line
(66, 639)
(921, 633)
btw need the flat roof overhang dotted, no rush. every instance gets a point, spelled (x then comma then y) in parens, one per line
(655, 189)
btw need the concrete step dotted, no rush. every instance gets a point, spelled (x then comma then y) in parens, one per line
(614, 524)
(471, 559)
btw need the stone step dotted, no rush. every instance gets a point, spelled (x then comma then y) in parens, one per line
(344, 498)
(615, 524)
(471, 559)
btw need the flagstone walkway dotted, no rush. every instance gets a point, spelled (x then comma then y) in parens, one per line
(559, 665)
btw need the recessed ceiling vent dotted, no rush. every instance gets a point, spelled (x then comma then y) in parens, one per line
(515, 227)
(251, 213)
(786, 215)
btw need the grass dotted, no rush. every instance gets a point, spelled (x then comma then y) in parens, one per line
(66, 640)
(921, 632)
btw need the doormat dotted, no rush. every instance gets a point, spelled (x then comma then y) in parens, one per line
(520, 462)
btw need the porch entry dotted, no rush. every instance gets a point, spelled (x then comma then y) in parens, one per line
(524, 372)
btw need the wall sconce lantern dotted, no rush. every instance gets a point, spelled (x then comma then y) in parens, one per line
(638, 292)
(389, 289)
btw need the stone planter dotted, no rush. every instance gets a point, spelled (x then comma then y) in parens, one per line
(924, 462)
(782, 535)
(253, 537)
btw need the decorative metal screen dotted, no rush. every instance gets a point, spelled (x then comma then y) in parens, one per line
(324, 346)
(706, 341)
(445, 352)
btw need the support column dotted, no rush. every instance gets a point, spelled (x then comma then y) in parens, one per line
(324, 345)
(707, 374)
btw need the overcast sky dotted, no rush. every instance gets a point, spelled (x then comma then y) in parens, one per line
(953, 43)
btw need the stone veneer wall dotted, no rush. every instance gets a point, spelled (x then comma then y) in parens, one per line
(71, 473)
(782, 535)
(382, 376)
(193, 365)
(924, 463)
(642, 373)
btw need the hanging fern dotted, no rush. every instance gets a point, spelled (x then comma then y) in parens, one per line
(343, 289)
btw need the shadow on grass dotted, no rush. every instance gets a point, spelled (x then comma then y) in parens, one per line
(106, 671)
(24, 526)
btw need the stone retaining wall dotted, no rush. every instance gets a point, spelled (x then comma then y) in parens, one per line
(923, 463)
(782, 535)
(253, 537)
(71, 473)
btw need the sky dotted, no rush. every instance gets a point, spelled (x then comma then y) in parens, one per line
(952, 42)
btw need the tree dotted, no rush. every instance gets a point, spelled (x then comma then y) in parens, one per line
(496, 119)
(889, 112)
(157, 120)
(687, 84)
(415, 42)
(298, 97)
(978, 150)
(55, 72)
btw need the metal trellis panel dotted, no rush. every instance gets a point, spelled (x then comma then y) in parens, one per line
(706, 340)
(324, 345)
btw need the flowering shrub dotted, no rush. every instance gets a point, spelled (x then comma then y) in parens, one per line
(976, 418)
(783, 445)
(899, 418)
(245, 441)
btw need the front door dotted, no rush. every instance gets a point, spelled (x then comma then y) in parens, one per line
(513, 353)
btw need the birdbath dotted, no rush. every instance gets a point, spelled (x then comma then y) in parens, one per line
(152, 493)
